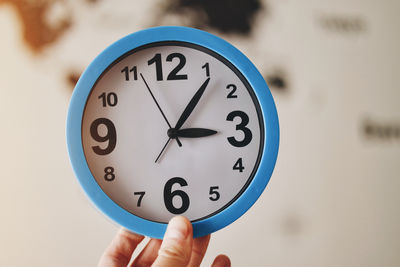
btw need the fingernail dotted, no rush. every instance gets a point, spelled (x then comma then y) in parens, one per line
(177, 229)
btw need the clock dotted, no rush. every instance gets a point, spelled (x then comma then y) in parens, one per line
(172, 121)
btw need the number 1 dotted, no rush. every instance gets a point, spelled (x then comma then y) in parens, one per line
(157, 60)
(207, 67)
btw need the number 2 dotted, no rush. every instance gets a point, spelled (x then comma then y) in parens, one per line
(231, 93)
(173, 75)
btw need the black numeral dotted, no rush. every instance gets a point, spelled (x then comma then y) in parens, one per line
(157, 60)
(233, 88)
(127, 72)
(239, 165)
(140, 194)
(109, 99)
(169, 196)
(173, 75)
(182, 61)
(207, 68)
(111, 136)
(109, 174)
(242, 127)
(214, 194)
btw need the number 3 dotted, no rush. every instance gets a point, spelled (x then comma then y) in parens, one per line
(242, 127)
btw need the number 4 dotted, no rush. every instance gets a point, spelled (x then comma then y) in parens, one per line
(239, 165)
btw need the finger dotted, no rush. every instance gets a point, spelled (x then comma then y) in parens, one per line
(120, 250)
(177, 245)
(199, 249)
(148, 254)
(221, 261)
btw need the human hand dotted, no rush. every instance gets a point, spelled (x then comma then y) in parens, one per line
(178, 249)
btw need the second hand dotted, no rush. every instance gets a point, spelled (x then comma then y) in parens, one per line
(162, 113)
(162, 150)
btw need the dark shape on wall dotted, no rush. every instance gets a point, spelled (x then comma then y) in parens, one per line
(37, 32)
(343, 23)
(277, 80)
(72, 78)
(292, 225)
(379, 130)
(228, 16)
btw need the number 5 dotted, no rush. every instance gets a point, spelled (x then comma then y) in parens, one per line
(214, 194)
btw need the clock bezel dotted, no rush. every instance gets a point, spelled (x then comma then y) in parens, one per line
(200, 38)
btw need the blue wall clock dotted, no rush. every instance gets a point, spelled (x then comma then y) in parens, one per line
(172, 121)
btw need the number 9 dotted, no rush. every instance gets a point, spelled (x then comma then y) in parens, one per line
(111, 136)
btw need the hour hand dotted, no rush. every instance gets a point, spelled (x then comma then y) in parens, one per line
(190, 132)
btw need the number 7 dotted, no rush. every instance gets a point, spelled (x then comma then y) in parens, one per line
(140, 194)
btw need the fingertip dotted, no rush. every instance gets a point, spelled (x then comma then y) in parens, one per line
(221, 261)
(119, 252)
(177, 244)
(131, 235)
(148, 255)
(179, 228)
(200, 245)
(180, 219)
(204, 239)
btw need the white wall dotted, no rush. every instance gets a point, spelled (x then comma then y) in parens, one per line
(333, 198)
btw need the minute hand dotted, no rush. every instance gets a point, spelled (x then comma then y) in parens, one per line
(192, 104)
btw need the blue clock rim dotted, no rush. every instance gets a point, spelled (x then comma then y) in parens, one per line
(183, 34)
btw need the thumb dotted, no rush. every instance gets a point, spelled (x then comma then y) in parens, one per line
(176, 248)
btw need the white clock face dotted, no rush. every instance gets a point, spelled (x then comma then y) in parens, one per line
(172, 128)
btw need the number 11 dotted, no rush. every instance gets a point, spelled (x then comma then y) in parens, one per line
(127, 72)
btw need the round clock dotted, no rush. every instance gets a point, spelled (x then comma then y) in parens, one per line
(172, 121)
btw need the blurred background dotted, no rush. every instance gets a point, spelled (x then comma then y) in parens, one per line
(333, 68)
